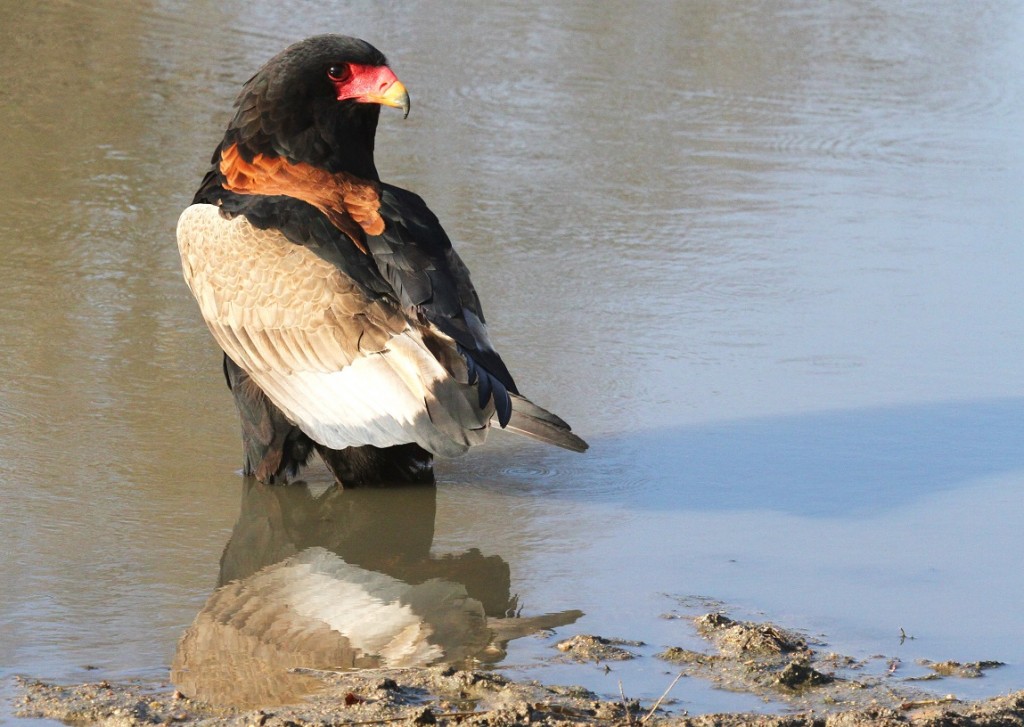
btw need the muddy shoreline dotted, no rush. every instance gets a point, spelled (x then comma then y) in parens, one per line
(817, 688)
(448, 697)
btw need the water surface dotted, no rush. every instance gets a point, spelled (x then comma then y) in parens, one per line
(763, 256)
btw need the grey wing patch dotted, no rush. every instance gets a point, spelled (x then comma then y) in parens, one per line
(277, 304)
(347, 369)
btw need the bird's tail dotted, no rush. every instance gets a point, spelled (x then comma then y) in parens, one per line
(532, 421)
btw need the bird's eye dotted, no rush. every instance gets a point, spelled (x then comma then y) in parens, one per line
(339, 72)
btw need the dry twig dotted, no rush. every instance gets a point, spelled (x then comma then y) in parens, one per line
(664, 694)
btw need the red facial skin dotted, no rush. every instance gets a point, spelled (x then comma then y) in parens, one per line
(369, 84)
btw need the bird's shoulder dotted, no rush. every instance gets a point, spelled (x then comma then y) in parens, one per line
(411, 264)
(258, 284)
(416, 257)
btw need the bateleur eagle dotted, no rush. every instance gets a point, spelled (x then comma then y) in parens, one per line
(349, 324)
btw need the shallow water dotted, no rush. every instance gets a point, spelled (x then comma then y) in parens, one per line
(764, 257)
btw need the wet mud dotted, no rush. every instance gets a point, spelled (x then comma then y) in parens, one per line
(776, 663)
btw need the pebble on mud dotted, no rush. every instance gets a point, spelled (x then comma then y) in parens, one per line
(970, 670)
(679, 655)
(584, 647)
(425, 716)
(799, 674)
(740, 637)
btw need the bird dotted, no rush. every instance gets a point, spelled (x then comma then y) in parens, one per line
(349, 324)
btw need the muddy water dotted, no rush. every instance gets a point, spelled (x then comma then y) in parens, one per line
(765, 257)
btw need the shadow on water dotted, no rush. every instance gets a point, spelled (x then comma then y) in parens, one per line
(342, 579)
(825, 464)
(326, 578)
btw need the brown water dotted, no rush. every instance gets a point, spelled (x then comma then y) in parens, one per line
(764, 256)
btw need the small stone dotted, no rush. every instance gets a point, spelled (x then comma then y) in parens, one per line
(679, 655)
(425, 716)
(799, 674)
(585, 647)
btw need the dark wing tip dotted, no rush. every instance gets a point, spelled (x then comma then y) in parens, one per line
(489, 387)
(538, 423)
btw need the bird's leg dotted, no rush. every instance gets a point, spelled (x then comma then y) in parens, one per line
(274, 449)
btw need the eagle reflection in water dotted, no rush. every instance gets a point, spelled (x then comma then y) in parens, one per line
(343, 579)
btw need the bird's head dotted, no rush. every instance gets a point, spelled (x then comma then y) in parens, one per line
(317, 102)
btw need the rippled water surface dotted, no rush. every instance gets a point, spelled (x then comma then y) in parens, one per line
(765, 257)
